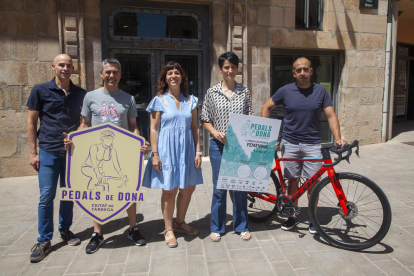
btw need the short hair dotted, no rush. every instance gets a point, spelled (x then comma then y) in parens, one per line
(229, 56)
(162, 80)
(310, 63)
(110, 60)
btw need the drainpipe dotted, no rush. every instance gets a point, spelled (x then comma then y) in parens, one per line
(387, 75)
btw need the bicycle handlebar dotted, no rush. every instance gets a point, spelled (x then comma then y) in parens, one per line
(346, 148)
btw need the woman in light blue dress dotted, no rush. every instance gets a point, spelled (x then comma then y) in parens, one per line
(174, 164)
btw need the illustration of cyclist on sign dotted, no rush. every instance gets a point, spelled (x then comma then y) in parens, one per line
(104, 170)
(99, 155)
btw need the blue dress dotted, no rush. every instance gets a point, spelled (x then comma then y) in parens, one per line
(175, 145)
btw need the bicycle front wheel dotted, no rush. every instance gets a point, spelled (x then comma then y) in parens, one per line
(369, 217)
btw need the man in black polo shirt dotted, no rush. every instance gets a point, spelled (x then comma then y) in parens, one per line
(303, 103)
(58, 104)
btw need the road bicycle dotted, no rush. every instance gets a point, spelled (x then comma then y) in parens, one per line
(348, 210)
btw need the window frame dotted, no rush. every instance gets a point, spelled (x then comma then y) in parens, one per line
(117, 10)
(306, 16)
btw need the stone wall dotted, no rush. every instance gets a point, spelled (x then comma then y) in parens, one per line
(359, 35)
(29, 40)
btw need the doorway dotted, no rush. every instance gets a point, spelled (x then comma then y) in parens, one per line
(145, 35)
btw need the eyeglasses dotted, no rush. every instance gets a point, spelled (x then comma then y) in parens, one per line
(299, 70)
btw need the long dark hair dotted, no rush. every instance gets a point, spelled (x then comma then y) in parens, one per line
(162, 82)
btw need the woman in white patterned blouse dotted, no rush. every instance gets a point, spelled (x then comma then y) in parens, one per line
(222, 99)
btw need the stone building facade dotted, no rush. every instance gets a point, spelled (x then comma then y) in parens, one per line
(261, 32)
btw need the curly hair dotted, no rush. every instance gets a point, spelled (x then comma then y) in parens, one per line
(162, 81)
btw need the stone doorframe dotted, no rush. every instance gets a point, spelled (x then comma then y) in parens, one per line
(72, 38)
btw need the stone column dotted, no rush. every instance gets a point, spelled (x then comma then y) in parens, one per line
(71, 37)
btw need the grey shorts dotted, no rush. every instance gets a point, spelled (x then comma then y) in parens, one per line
(294, 169)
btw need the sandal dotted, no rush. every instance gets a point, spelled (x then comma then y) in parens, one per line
(245, 236)
(179, 229)
(171, 243)
(215, 237)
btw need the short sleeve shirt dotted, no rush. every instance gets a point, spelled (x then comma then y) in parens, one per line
(109, 107)
(303, 107)
(217, 107)
(58, 113)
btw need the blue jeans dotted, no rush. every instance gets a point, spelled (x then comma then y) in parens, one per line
(51, 168)
(218, 204)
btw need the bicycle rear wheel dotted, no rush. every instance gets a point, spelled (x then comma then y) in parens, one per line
(259, 209)
(369, 218)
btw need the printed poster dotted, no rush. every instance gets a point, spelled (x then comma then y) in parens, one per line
(248, 153)
(104, 171)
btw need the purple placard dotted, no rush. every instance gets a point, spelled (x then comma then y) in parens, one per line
(71, 136)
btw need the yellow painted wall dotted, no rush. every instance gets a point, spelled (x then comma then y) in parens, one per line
(405, 34)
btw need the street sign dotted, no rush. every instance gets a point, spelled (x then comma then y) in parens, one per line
(368, 4)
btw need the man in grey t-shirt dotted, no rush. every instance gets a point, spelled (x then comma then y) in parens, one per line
(303, 103)
(110, 104)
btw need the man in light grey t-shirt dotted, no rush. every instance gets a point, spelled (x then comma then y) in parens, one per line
(109, 107)
(111, 104)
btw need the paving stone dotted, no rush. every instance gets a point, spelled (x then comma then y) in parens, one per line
(392, 268)
(250, 261)
(220, 268)
(296, 256)
(13, 264)
(215, 251)
(310, 271)
(138, 259)
(59, 259)
(171, 263)
(32, 269)
(334, 262)
(89, 263)
(371, 270)
(113, 270)
(197, 265)
(283, 268)
(233, 241)
(272, 251)
(53, 271)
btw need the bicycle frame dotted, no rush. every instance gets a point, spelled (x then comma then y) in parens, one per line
(310, 182)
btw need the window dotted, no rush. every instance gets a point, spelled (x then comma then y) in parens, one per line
(309, 14)
(155, 25)
(324, 72)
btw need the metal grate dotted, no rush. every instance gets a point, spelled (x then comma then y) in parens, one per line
(408, 143)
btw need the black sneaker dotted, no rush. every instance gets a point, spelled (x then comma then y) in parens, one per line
(135, 236)
(94, 243)
(290, 223)
(39, 251)
(312, 229)
(70, 238)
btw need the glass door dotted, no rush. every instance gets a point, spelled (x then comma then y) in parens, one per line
(136, 76)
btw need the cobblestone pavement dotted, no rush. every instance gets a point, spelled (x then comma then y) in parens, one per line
(271, 251)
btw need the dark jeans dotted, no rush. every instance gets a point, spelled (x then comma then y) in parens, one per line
(51, 168)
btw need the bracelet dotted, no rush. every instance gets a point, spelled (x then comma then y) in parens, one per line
(199, 153)
(155, 152)
(338, 139)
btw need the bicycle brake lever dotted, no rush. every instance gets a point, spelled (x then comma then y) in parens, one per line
(357, 151)
(347, 156)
